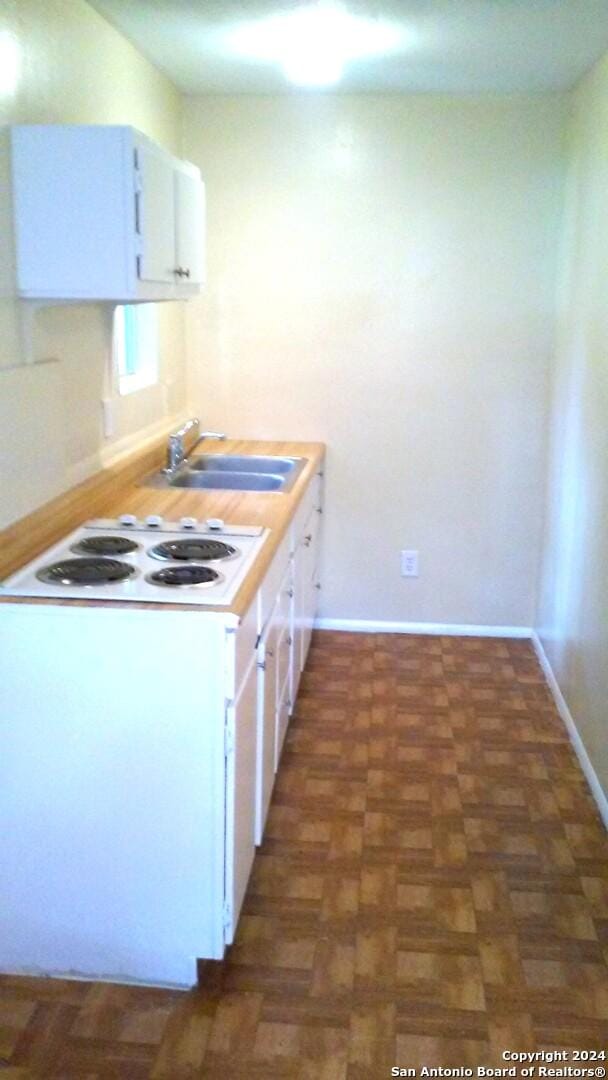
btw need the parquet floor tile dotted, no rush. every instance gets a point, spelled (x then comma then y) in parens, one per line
(432, 890)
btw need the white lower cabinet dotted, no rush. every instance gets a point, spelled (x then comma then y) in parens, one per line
(267, 704)
(274, 667)
(132, 803)
(307, 528)
(286, 618)
(241, 749)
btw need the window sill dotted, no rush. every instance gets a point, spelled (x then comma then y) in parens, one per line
(130, 384)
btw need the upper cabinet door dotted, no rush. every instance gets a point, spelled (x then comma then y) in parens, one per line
(156, 217)
(189, 225)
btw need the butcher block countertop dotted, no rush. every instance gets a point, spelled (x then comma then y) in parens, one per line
(121, 490)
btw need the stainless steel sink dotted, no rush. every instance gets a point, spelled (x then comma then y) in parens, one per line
(233, 472)
(232, 481)
(242, 463)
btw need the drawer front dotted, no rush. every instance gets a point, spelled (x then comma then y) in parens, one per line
(271, 584)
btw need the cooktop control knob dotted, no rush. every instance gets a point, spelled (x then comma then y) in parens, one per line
(215, 523)
(128, 520)
(188, 522)
(154, 521)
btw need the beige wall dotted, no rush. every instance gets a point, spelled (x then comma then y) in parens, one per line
(573, 609)
(74, 68)
(381, 277)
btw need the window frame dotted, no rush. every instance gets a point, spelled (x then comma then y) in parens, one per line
(135, 347)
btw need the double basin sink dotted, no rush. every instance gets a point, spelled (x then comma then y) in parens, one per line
(234, 472)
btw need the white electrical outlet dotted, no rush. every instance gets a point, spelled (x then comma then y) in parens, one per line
(409, 564)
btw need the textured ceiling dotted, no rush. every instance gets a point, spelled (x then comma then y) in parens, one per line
(452, 46)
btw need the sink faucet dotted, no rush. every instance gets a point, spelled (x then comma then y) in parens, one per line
(182, 441)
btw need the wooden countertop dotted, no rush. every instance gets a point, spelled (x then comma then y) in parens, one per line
(120, 490)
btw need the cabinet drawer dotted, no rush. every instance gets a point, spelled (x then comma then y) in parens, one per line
(271, 584)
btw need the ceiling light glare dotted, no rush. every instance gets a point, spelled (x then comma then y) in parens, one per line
(10, 63)
(313, 43)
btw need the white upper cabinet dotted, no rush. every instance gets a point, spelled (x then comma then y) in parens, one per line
(102, 213)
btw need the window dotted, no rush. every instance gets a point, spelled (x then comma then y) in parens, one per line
(135, 347)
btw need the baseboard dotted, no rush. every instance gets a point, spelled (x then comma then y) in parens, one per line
(375, 626)
(579, 747)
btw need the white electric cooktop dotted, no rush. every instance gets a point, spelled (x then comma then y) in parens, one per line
(149, 559)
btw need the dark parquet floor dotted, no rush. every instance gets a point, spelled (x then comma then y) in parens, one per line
(432, 890)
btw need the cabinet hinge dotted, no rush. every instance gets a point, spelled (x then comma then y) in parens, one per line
(261, 665)
(227, 915)
(289, 640)
(319, 509)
